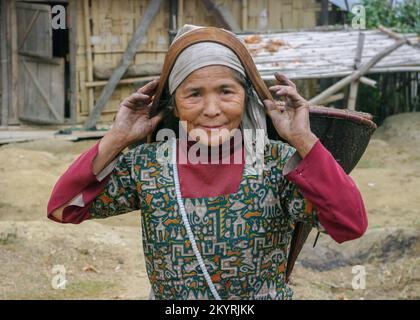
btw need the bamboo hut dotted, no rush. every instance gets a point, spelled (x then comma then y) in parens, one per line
(56, 76)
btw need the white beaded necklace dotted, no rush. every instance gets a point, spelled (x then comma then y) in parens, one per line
(187, 224)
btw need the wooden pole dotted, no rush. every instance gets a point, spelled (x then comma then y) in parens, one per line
(368, 82)
(228, 17)
(89, 64)
(354, 86)
(126, 59)
(13, 65)
(244, 15)
(347, 5)
(359, 50)
(356, 74)
(72, 11)
(180, 13)
(333, 98)
(333, 18)
(123, 81)
(119, 51)
(324, 12)
(223, 15)
(397, 36)
(173, 17)
(4, 65)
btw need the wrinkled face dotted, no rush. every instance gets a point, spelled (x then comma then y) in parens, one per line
(211, 101)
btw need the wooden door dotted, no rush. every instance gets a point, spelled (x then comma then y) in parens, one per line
(41, 82)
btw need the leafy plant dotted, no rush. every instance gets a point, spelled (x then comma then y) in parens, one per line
(402, 17)
(394, 90)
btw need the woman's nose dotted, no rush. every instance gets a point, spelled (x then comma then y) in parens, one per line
(212, 108)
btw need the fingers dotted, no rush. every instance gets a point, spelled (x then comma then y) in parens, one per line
(274, 106)
(280, 106)
(136, 101)
(269, 105)
(142, 97)
(149, 88)
(282, 90)
(282, 79)
(292, 96)
(137, 98)
(128, 104)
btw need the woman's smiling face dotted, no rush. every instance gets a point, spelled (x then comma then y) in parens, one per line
(211, 101)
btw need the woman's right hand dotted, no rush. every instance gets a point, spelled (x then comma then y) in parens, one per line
(132, 122)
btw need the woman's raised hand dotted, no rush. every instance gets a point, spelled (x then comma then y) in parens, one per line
(132, 122)
(291, 116)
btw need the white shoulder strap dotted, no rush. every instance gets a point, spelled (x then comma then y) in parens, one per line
(187, 224)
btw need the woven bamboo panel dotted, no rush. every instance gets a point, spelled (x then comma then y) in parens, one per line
(112, 23)
(81, 63)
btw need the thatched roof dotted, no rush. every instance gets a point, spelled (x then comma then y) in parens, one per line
(323, 54)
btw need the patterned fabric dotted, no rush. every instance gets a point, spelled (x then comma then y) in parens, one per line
(243, 237)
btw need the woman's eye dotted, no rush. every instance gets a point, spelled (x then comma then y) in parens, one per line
(226, 92)
(194, 94)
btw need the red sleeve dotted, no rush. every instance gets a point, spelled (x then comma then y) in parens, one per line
(333, 193)
(78, 179)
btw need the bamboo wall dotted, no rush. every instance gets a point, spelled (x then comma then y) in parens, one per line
(112, 22)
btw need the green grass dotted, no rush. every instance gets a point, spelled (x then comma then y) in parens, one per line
(8, 237)
(5, 205)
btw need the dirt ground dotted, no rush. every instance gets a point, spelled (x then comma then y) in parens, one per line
(104, 260)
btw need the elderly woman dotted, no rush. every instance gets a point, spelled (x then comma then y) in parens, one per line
(221, 229)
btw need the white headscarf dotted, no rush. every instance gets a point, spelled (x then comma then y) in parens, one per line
(204, 54)
(201, 55)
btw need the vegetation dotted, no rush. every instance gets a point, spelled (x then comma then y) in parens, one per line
(395, 92)
(402, 17)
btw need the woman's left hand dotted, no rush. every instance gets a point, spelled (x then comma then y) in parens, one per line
(291, 116)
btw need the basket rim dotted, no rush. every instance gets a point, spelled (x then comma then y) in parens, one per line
(344, 114)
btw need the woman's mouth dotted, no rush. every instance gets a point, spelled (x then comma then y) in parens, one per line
(211, 128)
